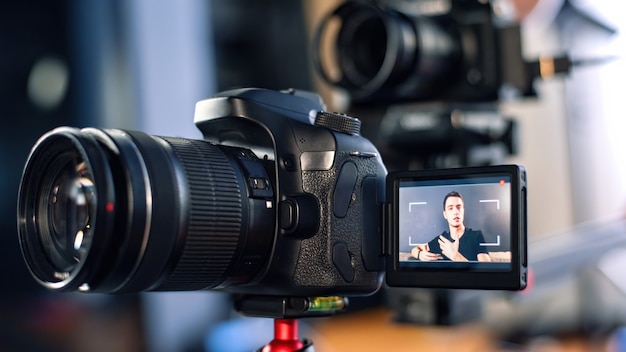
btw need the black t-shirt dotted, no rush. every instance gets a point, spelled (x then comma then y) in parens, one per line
(469, 246)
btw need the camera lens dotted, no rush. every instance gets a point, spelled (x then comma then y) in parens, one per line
(382, 53)
(72, 200)
(363, 54)
(123, 211)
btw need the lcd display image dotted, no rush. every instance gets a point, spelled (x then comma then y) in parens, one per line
(455, 223)
(458, 228)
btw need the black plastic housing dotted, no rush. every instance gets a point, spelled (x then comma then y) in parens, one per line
(325, 180)
(273, 202)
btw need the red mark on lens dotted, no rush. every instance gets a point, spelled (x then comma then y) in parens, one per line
(110, 207)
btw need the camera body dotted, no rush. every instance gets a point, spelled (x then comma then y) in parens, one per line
(420, 50)
(328, 184)
(279, 199)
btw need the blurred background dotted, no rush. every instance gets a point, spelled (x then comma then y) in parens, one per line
(542, 87)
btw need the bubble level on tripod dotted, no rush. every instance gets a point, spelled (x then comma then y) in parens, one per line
(332, 303)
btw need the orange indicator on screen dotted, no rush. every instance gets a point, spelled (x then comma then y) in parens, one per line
(502, 182)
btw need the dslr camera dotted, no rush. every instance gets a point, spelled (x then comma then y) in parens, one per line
(280, 198)
(388, 51)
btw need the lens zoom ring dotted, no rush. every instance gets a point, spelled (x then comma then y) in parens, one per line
(215, 216)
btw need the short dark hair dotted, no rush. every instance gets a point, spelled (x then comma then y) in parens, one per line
(451, 194)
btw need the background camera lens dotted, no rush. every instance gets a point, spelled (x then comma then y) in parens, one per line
(382, 53)
(122, 211)
(363, 56)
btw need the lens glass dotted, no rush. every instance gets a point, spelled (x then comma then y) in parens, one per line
(369, 47)
(66, 209)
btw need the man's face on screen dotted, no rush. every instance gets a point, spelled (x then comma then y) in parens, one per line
(454, 211)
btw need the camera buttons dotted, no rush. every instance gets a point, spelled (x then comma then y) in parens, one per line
(287, 215)
(299, 216)
(288, 162)
(259, 183)
(338, 122)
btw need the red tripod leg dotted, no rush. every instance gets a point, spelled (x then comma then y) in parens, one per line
(285, 337)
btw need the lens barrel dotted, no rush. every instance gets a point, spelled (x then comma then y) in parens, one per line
(123, 211)
(382, 53)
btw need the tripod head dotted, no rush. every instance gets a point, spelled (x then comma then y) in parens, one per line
(285, 311)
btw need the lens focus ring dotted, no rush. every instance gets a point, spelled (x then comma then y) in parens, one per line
(215, 216)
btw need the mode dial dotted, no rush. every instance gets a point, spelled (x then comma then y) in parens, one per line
(338, 122)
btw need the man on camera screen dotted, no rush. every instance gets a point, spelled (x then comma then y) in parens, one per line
(458, 243)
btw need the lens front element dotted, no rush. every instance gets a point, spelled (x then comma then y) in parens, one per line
(69, 209)
(64, 193)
